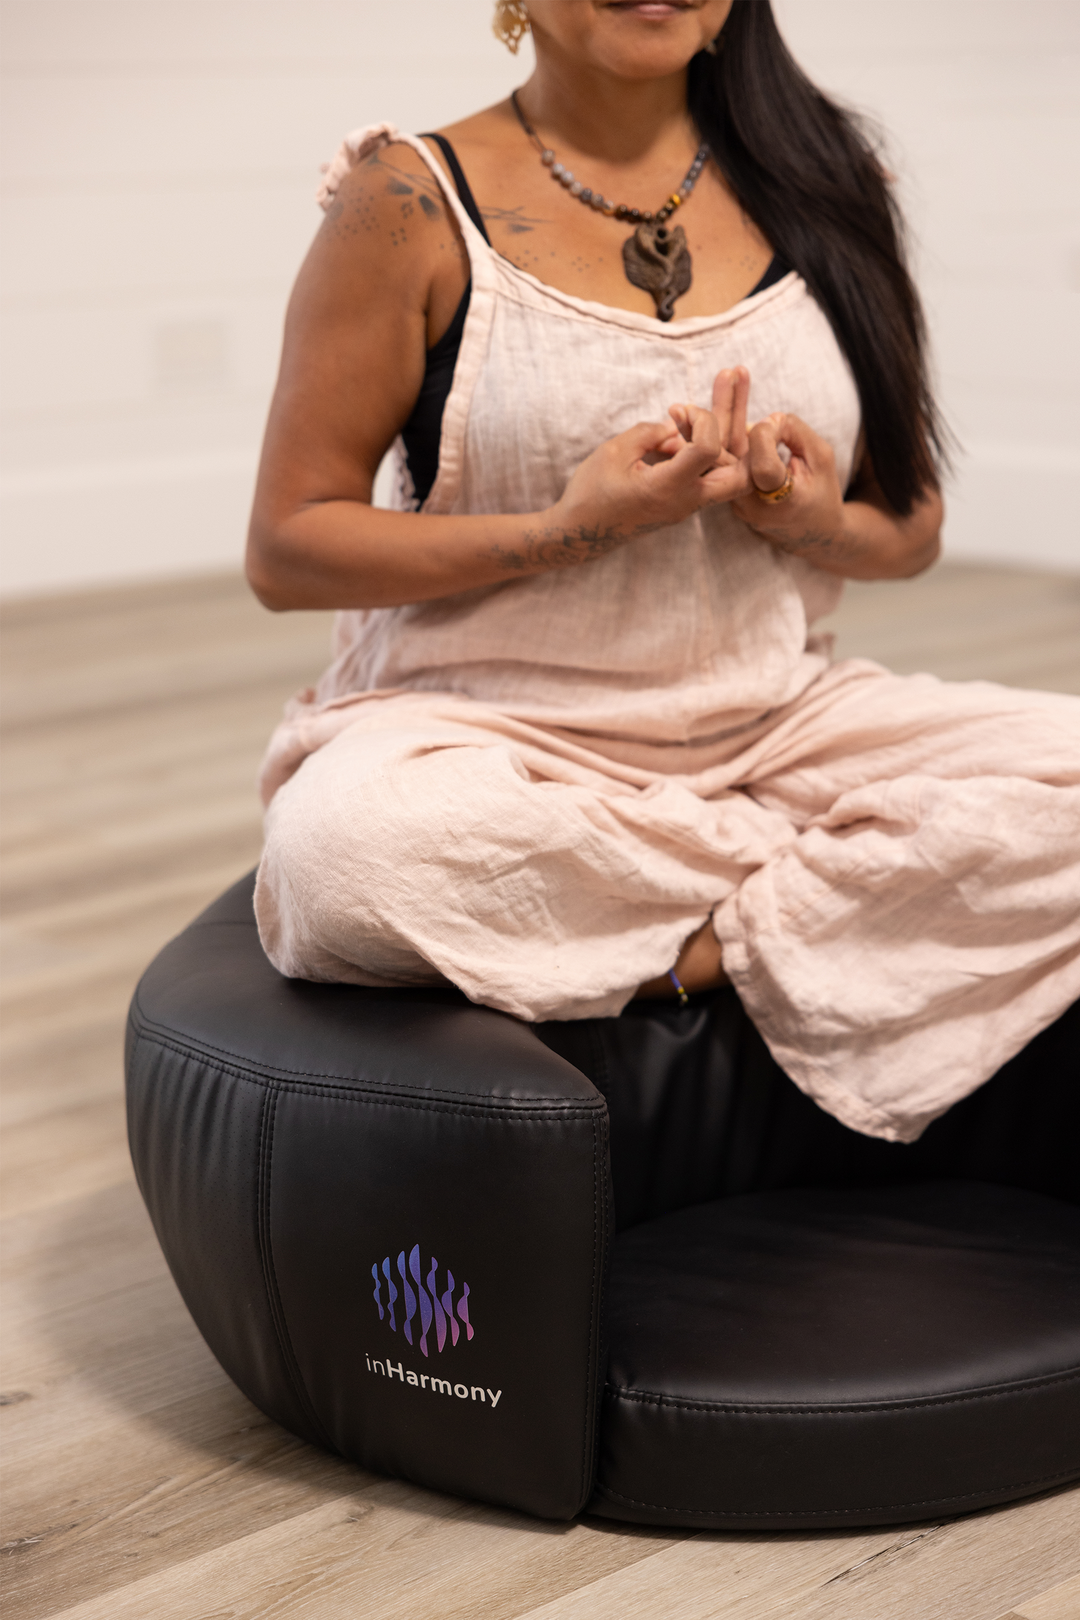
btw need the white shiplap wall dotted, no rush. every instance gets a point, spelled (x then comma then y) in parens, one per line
(160, 161)
(981, 99)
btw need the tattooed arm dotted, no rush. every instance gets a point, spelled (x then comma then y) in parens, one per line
(380, 286)
(861, 537)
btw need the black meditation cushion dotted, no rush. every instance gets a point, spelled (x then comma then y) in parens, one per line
(390, 1214)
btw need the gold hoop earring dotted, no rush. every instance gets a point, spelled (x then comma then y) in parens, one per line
(510, 23)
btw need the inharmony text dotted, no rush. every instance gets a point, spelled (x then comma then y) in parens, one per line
(437, 1386)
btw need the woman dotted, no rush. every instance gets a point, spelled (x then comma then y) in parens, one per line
(579, 741)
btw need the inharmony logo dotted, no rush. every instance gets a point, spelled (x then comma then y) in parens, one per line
(432, 1306)
(437, 1386)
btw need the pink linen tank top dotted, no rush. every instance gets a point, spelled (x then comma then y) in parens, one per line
(679, 635)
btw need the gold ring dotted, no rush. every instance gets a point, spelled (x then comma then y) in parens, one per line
(780, 494)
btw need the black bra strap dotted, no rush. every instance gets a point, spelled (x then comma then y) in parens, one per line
(468, 201)
(775, 271)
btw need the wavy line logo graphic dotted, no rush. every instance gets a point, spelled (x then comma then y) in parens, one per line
(421, 1298)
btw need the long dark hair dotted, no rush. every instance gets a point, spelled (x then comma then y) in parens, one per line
(808, 176)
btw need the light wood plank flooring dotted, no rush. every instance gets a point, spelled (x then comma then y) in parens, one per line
(139, 1482)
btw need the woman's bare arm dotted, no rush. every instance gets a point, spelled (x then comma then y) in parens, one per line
(380, 282)
(378, 287)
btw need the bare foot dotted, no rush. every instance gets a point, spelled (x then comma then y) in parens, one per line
(699, 967)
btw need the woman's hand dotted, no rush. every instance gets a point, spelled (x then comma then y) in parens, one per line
(650, 477)
(859, 538)
(813, 513)
(730, 476)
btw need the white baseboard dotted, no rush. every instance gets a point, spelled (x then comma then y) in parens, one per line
(102, 524)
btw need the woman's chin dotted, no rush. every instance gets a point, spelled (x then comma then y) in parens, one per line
(634, 53)
(635, 39)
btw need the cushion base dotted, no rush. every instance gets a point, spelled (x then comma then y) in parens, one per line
(814, 1358)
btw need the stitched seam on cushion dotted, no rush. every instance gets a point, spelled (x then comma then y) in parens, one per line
(834, 1513)
(270, 1282)
(853, 1409)
(593, 1396)
(555, 1114)
(602, 1066)
(585, 1447)
(601, 1287)
(148, 1029)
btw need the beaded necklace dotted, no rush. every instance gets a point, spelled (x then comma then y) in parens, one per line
(655, 258)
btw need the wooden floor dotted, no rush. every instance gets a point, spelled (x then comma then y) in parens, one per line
(140, 1485)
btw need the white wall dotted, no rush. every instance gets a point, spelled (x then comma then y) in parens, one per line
(160, 162)
(162, 157)
(982, 102)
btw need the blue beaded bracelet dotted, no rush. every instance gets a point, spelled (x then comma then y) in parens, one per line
(679, 986)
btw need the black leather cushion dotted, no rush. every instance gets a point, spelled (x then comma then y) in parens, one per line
(795, 1357)
(700, 1109)
(809, 1358)
(288, 1137)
